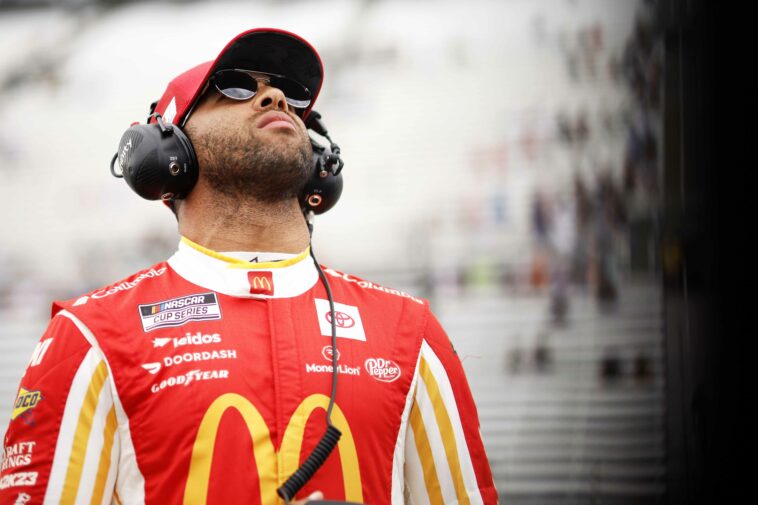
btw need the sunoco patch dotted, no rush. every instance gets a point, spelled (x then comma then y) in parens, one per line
(179, 311)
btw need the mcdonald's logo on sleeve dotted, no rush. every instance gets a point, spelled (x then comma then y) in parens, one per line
(261, 283)
(264, 453)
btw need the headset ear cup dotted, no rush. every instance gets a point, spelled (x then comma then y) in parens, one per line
(157, 161)
(321, 195)
(323, 189)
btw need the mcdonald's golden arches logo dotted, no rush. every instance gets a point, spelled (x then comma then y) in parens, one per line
(196, 490)
(261, 283)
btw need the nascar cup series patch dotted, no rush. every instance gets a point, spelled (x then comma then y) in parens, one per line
(179, 311)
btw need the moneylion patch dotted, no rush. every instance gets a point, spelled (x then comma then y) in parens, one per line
(179, 311)
(25, 401)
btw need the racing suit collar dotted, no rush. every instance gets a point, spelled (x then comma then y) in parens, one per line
(273, 275)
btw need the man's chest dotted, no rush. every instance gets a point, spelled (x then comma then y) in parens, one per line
(259, 373)
(261, 349)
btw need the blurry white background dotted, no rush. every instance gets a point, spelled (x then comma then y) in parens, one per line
(455, 119)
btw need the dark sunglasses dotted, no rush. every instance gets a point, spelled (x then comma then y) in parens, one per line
(239, 84)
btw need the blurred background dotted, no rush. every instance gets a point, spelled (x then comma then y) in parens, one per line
(532, 167)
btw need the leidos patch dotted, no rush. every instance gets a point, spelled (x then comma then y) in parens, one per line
(179, 311)
(25, 401)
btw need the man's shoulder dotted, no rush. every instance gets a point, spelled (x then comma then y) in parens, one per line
(113, 293)
(367, 289)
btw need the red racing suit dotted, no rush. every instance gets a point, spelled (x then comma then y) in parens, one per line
(205, 380)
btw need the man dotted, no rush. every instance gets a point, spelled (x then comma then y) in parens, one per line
(208, 378)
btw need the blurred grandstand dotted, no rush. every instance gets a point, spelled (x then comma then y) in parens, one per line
(508, 168)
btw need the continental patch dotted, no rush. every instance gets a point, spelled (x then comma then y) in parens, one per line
(179, 311)
(25, 401)
(123, 286)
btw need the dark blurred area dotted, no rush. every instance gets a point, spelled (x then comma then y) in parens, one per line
(710, 111)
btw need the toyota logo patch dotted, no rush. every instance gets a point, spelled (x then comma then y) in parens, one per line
(347, 320)
(341, 319)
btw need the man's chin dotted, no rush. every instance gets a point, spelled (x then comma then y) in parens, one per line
(267, 166)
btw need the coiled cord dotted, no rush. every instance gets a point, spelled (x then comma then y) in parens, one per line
(303, 474)
(329, 440)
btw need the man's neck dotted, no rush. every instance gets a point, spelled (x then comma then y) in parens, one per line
(222, 224)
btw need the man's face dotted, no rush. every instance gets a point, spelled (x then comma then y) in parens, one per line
(253, 148)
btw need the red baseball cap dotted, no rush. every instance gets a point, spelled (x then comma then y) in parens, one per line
(261, 49)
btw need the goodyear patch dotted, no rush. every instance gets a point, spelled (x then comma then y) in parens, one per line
(179, 311)
(25, 401)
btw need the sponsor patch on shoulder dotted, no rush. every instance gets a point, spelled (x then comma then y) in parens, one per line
(179, 311)
(25, 401)
(347, 320)
(122, 286)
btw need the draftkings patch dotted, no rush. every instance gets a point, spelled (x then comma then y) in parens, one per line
(179, 311)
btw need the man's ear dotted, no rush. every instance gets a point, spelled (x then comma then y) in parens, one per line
(174, 205)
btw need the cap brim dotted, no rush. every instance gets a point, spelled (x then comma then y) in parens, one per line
(275, 52)
(263, 49)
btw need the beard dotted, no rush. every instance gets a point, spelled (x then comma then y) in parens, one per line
(240, 164)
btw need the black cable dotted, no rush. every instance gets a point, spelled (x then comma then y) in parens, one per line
(333, 318)
(297, 480)
(329, 440)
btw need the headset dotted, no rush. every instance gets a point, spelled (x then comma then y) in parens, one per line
(158, 162)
